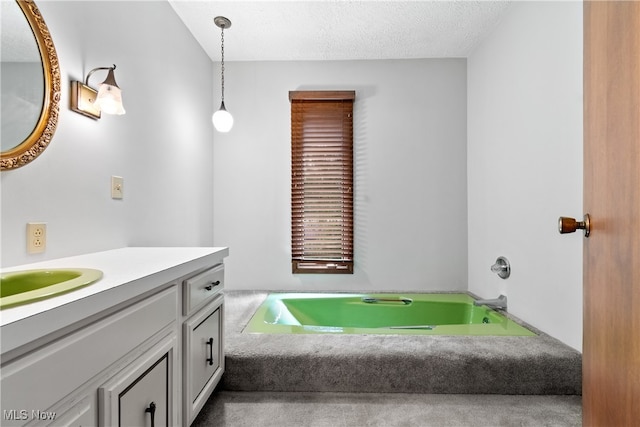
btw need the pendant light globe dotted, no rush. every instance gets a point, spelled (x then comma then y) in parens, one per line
(222, 119)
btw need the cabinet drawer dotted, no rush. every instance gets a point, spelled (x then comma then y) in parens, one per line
(200, 289)
(43, 377)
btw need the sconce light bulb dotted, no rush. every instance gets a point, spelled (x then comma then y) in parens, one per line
(222, 119)
(109, 100)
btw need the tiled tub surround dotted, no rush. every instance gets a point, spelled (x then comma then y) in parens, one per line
(388, 363)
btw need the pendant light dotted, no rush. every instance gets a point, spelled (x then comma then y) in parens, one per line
(222, 119)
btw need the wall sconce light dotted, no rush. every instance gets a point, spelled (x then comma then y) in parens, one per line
(90, 102)
(222, 119)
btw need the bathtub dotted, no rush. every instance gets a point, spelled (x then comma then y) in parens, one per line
(396, 314)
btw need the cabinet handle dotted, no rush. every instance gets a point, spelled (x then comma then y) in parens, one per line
(210, 359)
(152, 410)
(212, 285)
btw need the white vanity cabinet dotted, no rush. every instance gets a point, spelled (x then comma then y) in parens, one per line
(45, 383)
(203, 349)
(127, 363)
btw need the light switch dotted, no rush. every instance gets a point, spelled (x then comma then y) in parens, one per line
(117, 187)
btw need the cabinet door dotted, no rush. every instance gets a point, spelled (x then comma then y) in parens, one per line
(203, 357)
(205, 354)
(145, 401)
(142, 394)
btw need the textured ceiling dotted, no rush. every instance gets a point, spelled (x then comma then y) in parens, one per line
(340, 29)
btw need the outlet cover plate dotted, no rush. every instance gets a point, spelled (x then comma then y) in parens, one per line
(36, 237)
(117, 187)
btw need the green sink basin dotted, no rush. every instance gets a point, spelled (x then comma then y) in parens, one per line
(23, 287)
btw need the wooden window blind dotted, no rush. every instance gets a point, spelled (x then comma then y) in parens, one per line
(322, 181)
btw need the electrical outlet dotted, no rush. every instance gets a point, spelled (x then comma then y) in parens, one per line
(36, 237)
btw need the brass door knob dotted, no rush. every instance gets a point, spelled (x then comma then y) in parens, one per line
(570, 225)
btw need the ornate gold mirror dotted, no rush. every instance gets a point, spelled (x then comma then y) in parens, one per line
(30, 85)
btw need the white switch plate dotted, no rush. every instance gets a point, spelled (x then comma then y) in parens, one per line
(117, 187)
(36, 237)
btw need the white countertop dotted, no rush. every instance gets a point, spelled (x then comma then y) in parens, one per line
(127, 272)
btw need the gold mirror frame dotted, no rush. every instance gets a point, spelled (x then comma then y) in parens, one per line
(42, 133)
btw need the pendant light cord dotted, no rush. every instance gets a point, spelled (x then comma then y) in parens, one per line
(222, 62)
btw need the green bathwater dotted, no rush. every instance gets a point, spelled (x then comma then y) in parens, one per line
(398, 314)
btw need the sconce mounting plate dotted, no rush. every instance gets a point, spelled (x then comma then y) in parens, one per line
(82, 99)
(222, 22)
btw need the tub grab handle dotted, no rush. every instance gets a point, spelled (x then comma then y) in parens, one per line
(370, 300)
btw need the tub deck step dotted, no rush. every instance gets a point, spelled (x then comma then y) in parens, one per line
(390, 363)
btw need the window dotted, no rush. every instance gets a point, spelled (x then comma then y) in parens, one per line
(322, 181)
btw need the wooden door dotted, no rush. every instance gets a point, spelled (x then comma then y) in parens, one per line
(611, 349)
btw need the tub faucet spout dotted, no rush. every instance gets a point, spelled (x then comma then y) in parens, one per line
(500, 302)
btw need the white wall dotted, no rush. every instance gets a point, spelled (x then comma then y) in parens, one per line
(162, 147)
(523, 159)
(410, 173)
(525, 164)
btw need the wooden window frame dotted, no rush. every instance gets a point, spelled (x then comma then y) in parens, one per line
(322, 225)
